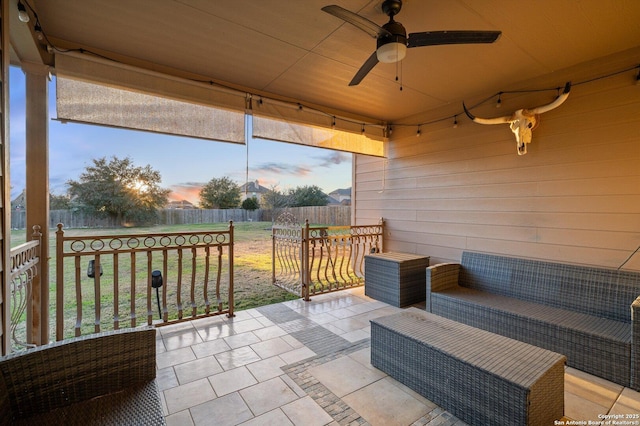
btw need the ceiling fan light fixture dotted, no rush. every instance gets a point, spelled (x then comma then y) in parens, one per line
(391, 52)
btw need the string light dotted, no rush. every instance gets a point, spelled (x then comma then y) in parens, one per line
(333, 123)
(362, 131)
(638, 77)
(418, 133)
(455, 121)
(23, 16)
(499, 103)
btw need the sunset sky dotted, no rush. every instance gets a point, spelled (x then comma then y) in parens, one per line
(184, 163)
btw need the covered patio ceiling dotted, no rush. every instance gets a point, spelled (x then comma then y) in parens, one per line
(294, 51)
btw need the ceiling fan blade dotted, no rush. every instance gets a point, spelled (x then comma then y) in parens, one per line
(434, 38)
(369, 27)
(364, 69)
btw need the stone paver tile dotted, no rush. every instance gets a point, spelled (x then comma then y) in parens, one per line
(210, 347)
(237, 357)
(181, 418)
(166, 378)
(270, 332)
(216, 331)
(305, 412)
(297, 355)
(591, 388)
(272, 418)
(356, 335)
(174, 357)
(239, 340)
(627, 403)
(182, 339)
(295, 343)
(268, 395)
(188, 395)
(294, 387)
(246, 325)
(199, 369)
(227, 410)
(381, 403)
(344, 375)
(232, 380)
(270, 348)
(267, 368)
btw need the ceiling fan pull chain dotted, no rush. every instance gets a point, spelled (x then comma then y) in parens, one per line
(399, 80)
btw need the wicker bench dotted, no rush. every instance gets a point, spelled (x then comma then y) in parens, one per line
(100, 379)
(480, 377)
(591, 315)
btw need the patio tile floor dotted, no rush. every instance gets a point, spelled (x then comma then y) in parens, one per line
(308, 363)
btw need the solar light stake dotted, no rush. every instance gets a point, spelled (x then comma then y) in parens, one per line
(156, 282)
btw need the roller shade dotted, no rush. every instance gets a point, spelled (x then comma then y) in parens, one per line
(101, 92)
(284, 122)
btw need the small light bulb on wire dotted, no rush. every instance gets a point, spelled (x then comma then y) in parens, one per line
(333, 123)
(499, 103)
(638, 77)
(455, 121)
(362, 130)
(23, 16)
(418, 133)
(38, 30)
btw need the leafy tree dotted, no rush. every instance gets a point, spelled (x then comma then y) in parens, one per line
(250, 204)
(220, 193)
(308, 196)
(274, 199)
(59, 202)
(119, 189)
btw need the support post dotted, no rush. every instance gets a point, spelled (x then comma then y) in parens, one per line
(37, 190)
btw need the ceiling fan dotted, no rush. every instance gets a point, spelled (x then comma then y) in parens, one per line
(392, 40)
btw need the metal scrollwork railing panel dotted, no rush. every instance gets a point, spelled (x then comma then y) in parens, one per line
(312, 260)
(113, 281)
(23, 272)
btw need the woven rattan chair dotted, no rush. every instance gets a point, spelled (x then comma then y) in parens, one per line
(100, 379)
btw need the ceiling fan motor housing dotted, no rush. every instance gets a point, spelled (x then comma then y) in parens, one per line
(392, 48)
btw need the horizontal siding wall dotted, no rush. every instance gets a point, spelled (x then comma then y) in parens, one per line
(575, 197)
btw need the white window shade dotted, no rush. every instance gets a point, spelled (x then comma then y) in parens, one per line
(100, 92)
(283, 122)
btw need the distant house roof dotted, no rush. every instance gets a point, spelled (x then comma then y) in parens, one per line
(253, 187)
(343, 192)
(182, 204)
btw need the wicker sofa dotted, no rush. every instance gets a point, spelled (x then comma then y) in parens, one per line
(591, 315)
(100, 379)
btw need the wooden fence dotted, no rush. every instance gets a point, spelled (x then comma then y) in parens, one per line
(327, 215)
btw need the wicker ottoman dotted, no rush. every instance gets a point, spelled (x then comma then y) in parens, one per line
(480, 377)
(395, 278)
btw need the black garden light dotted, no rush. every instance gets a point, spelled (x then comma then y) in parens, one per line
(91, 269)
(156, 282)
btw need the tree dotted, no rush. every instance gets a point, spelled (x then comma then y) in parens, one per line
(220, 193)
(119, 189)
(308, 196)
(274, 199)
(59, 202)
(250, 204)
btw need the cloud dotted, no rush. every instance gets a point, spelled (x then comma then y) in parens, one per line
(189, 191)
(282, 168)
(333, 158)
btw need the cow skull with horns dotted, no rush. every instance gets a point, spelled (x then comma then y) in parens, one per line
(523, 121)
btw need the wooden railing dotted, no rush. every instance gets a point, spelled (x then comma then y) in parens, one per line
(313, 260)
(100, 277)
(24, 262)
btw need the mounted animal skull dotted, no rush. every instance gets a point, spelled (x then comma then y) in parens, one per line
(523, 121)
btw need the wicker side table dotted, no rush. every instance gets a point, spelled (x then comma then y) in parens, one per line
(395, 278)
(480, 377)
